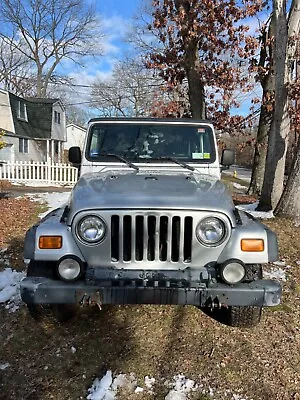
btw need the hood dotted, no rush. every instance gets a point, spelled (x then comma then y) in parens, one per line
(141, 190)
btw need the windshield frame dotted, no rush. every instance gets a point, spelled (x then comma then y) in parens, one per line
(103, 158)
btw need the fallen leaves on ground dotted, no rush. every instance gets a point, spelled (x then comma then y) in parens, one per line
(161, 341)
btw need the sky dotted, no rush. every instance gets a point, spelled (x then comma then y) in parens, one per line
(116, 18)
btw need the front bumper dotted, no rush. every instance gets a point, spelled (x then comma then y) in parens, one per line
(36, 290)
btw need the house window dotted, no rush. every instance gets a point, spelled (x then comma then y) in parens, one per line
(21, 110)
(23, 145)
(57, 117)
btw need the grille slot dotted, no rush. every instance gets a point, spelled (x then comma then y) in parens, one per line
(151, 238)
(127, 238)
(139, 237)
(114, 237)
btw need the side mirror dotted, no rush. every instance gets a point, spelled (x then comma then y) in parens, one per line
(228, 157)
(75, 155)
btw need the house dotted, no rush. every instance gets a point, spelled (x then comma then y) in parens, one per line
(75, 136)
(34, 128)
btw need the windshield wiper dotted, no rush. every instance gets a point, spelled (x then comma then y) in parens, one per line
(181, 163)
(120, 158)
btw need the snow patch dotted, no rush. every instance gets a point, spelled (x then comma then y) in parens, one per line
(181, 388)
(250, 208)
(10, 289)
(138, 390)
(275, 273)
(40, 184)
(101, 388)
(4, 366)
(53, 199)
(107, 388)
(149, 383)
(239, 186)
(279, 263)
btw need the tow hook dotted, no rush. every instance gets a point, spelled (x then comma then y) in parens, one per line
(91, 300)
(214, 303)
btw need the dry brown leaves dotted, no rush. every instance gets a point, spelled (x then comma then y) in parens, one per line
(16, 215)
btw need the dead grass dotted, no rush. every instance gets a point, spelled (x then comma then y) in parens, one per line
(160, 341)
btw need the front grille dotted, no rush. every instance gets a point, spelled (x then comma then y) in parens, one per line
(151, 238)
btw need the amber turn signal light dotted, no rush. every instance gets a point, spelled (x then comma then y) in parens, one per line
(252, 245)
(50, 242)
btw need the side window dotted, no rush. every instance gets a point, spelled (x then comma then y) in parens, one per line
(21, 110)
(23, 145)
(57, 117)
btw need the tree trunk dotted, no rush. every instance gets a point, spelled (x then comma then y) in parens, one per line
(289, 204)
(39, 82)
(196, 95)
(196, 87)
(261, 145)
(277, 145)
(266, 109)
(191, 58)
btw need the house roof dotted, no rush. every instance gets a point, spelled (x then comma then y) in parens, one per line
(76, 126)
(41, 100)
(39, 117)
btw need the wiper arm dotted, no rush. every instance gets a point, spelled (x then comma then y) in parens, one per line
(181, 163)
(120, 158)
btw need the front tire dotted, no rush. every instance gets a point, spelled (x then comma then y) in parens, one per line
(236, 316)
(41, 312)
(60, 312)
(244, 317)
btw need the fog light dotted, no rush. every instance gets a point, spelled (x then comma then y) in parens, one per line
(69, 269)
(233, 271)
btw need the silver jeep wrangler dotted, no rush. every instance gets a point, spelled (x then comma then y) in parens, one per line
(150, 222)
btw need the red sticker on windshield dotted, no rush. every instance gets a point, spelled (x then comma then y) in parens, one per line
(201, 130)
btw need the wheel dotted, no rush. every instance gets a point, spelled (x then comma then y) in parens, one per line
(41, 268)
(59, 312)
(64, 312)
(40, 312)
(236, 316)
(244, 317)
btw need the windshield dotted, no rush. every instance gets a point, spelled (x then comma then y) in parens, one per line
(144, 143)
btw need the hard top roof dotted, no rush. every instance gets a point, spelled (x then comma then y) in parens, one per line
(156, 120)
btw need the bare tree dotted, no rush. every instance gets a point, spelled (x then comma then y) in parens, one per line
(15, 68)
(284, 50)
(129, 93)
(50, 31)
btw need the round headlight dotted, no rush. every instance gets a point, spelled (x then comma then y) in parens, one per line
(233, 272)
(210, 231)
(69, 269)
(91, 229)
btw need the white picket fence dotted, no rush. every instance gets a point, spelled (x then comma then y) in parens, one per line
(35, 172)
